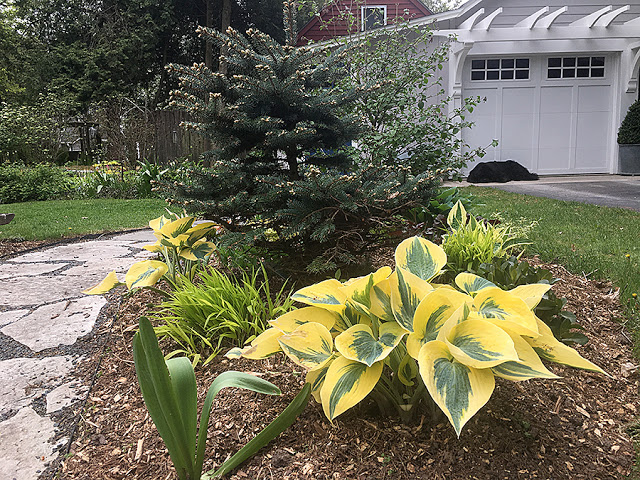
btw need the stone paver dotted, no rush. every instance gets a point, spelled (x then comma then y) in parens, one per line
(56, 324)
(42, 309)
(24, 453)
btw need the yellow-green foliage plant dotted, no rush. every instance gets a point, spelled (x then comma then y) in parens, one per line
(397, 337)
(470, 242)
(183, 247)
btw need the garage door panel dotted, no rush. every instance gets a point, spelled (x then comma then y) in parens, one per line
(593, 130)
(591, 160)
(518, 100)
(556, 99)
(594, 98)
(554, 160)
(555, 130)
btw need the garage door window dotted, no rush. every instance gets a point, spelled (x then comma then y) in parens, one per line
(575, 67)
(500, 69)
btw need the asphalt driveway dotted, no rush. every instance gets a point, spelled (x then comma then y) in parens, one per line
(608, 190)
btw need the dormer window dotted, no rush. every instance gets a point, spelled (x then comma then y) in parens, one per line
(373, 16)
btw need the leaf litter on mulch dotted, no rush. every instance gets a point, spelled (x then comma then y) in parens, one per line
(573, 427)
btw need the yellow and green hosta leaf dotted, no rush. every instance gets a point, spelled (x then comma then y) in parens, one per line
(263, 346)
(199, 251)
(177, 227)
(472, 284)
(420, 257)
(407, 371)
(157, 223)
(109, 283)
(552, 350)
(145, 273)
(527, 366)
(288, 322)
(325, 295)
(172, 242)
(358, 290)
(531, 294)
(459, 390)
(457, 216)
(346, 383)
(432, 313)
(155, 247)
(407, 291)
(310, 345)
(505, 310)
(480, 344)
(202, 229)
(381, 301)
(358, 343)
(316, 377)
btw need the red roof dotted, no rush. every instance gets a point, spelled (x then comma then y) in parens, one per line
(342, 17)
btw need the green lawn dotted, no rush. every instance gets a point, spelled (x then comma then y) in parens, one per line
(55, 219)
(586, 239)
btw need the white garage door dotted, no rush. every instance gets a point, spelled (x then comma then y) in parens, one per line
(551, 114)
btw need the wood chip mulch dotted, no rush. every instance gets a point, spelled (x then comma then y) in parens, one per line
(571, 428)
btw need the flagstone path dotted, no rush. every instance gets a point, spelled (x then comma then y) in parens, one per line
(47, 332)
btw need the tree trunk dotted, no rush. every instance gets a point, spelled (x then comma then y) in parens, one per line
(208, 49)
(292, 161)
(226, 23)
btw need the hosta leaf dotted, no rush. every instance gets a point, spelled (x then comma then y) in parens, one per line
(472, 284)
(480, 344)
(288, 322)
(459, 390)
(507, 310)
(346, 383)
(109, 283)
(457, 216)
(157, 223)
(315, 378)
(407, 291)
(145, 273)
(381, 301)
(325, 295)
(531, 294)
(198, 251)
(432, 313)
(172, 242)
(177, 227)
(550, 349)
(358, 290)
(155, 247)
(527, 366)
(263, 346)
(420, 257)
(407, 371)
(310, 345)
(358, 343)
(202, 229)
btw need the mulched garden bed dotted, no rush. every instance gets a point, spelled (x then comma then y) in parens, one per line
(574, 427)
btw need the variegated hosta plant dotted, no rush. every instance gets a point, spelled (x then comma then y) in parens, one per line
(183, 247)
(395, 336)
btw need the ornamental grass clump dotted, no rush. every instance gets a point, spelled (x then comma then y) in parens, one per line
(401, 340)
(219, 311)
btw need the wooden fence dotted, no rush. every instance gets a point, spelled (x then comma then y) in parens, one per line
(173, 141)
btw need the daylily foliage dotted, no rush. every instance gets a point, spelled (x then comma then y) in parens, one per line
(400, 338)
(183, 247)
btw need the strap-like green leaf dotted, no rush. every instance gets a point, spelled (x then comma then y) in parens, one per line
(160, 398)
(183, 380)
